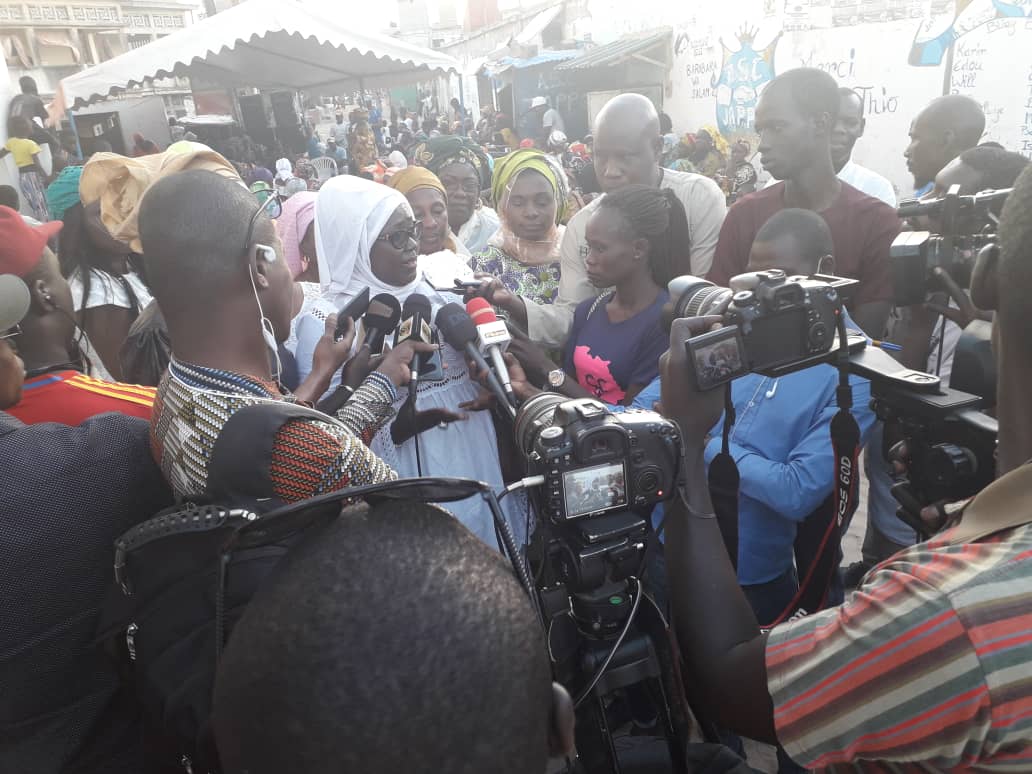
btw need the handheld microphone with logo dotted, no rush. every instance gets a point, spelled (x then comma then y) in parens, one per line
(458, 330)
(492, 338)
(415, 326)
(380, 321)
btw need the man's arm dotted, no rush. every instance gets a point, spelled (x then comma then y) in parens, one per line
(717, 631)
(549, 324)
(706, 213)
(370, 408)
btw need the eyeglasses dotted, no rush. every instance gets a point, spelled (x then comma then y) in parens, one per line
(470, 187)
(272, 207)
(10, 333)
(400, 238)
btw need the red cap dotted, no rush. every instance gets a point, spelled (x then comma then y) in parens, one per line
(21, 245)
(480, 311)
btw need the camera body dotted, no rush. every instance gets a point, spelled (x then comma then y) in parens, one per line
(779, 321)
(968, 223)
(594, 461)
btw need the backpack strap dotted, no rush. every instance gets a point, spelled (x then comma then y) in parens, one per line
(598, 302)
(238, 470)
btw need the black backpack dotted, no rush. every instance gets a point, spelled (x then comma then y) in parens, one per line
(179, 590)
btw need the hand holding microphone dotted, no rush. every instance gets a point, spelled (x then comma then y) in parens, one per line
(492, 340)
(458, 330)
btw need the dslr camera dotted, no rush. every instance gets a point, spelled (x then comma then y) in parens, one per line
(967, 223)
(594, 461)
(778, 321)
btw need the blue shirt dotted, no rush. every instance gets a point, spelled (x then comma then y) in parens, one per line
(781, 443)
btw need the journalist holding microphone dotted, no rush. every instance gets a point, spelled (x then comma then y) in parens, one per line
(926, 665)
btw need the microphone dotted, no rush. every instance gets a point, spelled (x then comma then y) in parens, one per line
(415, 326)
(380, 320)
(493, 338)
(458, 330)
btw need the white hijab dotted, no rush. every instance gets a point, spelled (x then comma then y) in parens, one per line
(283, 170)
(350, 213)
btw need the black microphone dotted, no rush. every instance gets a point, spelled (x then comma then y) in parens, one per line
(458, 330)
(380, 321)
(415, 326)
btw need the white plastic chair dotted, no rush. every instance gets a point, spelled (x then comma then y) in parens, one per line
(325, 167)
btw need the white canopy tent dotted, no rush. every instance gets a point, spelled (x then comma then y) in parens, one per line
(275, 44)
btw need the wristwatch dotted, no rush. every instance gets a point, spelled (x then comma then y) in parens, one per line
(556, 379)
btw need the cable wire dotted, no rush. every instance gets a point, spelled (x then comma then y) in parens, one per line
(616, 646)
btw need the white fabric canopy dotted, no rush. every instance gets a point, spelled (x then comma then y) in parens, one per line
(265, 44)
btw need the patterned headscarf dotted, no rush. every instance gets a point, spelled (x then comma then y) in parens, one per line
(718, 139)
(508, 168)
(507, 171)
(447, 149)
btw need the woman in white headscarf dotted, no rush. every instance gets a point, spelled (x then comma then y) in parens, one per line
(284, 173)
(366, 236)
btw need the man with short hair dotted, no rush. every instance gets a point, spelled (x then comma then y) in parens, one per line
(849, 127)
(795, 119)
(627, 149)
(68, 492)
(329, 646)
(215, 264)
(926, 665)
(55, 389)
(947, 127)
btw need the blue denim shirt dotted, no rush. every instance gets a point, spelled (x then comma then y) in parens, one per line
(781, 443)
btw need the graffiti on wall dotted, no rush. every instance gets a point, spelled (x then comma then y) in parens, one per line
(743, 74)
(938, 32)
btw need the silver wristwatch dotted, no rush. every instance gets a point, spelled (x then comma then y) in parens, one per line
(556, 379)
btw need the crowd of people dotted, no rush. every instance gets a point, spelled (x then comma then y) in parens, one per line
(148, 299)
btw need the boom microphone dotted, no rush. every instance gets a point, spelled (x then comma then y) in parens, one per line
(493, 338)
(380, 320)
(458, 330)
(415, 326)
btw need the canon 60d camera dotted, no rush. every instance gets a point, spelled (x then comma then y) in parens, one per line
(777, 321)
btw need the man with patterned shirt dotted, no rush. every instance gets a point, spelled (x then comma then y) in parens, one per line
(925, 667)
(215, 264)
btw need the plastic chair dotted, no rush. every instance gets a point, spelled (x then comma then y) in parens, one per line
(325, 167)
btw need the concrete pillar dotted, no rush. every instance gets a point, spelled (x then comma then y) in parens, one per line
(8, 169)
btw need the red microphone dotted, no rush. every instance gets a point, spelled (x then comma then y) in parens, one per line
(492, 340)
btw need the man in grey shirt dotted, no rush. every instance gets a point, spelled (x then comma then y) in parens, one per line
(627, 150)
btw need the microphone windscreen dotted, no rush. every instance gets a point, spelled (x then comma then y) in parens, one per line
(481, 311)
(416, 304)
(383, 313)
(455, 326)
(415, 319)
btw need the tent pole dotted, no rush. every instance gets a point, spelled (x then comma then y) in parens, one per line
(75, 134)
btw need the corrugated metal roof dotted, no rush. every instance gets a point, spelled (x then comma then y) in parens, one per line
(618, 51)
(498, 67)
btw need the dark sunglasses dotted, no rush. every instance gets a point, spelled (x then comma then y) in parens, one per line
(400, 238)
(272, 207)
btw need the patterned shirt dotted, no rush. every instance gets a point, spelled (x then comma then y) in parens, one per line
(309, 457)
(928, 661)
(539, 284)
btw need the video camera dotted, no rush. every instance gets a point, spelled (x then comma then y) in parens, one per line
(779, 321)
(967, 224)
(950, 443)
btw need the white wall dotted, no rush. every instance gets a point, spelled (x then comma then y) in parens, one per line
(741, 43)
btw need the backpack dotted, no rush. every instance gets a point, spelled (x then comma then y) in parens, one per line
(178, 593)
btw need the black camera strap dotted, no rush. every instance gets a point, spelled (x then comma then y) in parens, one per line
(724, 480)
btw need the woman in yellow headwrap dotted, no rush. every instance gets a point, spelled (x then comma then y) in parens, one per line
(710, 153)
(442, 257)
(426, 194)
(530, 192)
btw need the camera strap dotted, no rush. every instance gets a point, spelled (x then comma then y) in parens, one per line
(724, 480)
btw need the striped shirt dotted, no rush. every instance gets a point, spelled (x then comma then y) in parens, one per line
(70, 397)
(929, 662)
(308, 457)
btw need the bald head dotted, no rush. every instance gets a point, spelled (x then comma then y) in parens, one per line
(628, 144)
(947, 127)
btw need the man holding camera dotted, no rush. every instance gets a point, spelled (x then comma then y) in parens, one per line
(795, 119)
(926, 664)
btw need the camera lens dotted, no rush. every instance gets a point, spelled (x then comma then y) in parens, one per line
(533, 416)
(696, 297)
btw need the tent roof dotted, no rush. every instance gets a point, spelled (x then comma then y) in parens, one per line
(265, 44)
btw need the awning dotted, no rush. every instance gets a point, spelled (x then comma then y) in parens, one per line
(496, 68)
(639, 47)
(264, 44)
(537, 25)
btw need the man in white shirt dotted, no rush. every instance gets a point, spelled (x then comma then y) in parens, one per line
(627, 149)
(848, 129)
(552, 121)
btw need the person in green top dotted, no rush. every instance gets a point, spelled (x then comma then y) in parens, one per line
(530, 192)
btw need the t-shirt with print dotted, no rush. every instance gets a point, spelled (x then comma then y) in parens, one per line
(608, 357)
(861, 226)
